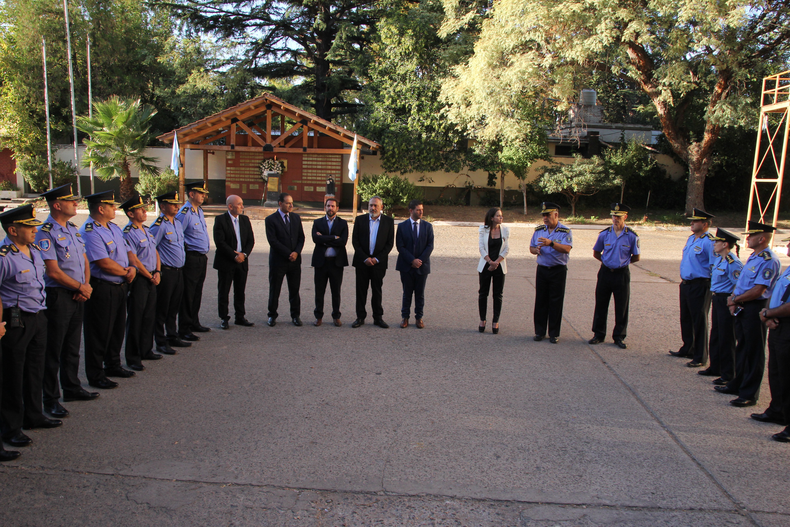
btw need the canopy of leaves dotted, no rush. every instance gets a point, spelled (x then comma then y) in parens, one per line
(583, 177)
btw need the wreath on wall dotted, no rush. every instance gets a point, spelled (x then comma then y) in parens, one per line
(271, 165)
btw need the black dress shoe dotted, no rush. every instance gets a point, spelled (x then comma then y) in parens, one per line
(380, 323)
(679, 354)
(8, 455)
(56, 410)
(200, 329)
(167, 350)
(620, 344)
(740, 402)
(554, 340)
(46, 423)
(189, 337)
(18, 440)
(178, 343)
(104, 384)
(296, 321)
(538, 338)
(271, 322)
(765, 417)
(726, 390)
(118, 371)
(708, 372)
(82, 395)
(152, 356)
(694, 364)
(358, 322)
(783, 436)
(223, 324)
(720, 381)
(244, 322)
(595, 340)
(136, 367)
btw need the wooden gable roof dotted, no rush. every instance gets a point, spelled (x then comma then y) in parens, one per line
(264, 120)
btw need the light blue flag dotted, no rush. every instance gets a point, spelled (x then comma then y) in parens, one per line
(175, 160)
(352, 161)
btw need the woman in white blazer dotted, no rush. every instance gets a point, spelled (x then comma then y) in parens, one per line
(493, 245)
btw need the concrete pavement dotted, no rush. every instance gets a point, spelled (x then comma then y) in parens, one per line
(440, 426)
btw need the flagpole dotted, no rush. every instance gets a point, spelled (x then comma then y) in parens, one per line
(73, 103)
(90, 104)
(46, 107)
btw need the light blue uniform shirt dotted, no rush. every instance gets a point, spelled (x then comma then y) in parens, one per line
(141, 242)
(549, 256)
(22, 278)
(195, 230)
(697, 257)
(65, 245)
(759, 269)
(781, 285)
(169, 238)
(725, 273)
(616, 250)
(104, 242)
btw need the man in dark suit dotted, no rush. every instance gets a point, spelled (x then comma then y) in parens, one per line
(330, 235)
(373, 238)
(415, 245)
(286, 241)
(234, 240)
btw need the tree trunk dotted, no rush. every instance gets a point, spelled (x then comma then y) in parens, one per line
(524, 192)
(502, 189)
(699, 162)
(127, 186)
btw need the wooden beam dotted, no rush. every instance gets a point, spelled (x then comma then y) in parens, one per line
(268, 126)
(217, 137)
(286, 134)
(205, 168)
(294, 139)
(233, 134)
(305, 136)
(251, 133)
(279, 150)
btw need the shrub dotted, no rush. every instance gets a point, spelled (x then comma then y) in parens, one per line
(7, 185)
(393, 190)
(36, 172)
(150, 185)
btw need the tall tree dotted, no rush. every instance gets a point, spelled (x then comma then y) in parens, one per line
(317, 46)
(679, 52)
(118, 134)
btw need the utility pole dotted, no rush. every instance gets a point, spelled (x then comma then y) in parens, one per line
(46, 108)
(73, 103)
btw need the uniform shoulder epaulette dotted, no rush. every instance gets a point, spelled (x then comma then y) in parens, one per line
(127, 228)
(36, 247)
(708, 236)
(158, 221)
(89, 227)
(4, 250)
(604, 230)
(729, 259)
(184, 209)
(46, 227)
(562, 229)
(765, 255)
(629, 229)
(540, 228)
(72, 223)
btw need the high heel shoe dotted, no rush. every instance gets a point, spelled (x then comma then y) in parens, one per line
(482, 329)
(494, 329)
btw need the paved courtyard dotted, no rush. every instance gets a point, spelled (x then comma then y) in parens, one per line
(439, 426)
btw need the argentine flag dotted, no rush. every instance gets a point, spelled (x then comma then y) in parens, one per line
(175, 160)
(352, 161)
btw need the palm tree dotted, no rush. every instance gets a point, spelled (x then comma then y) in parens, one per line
(118, 134)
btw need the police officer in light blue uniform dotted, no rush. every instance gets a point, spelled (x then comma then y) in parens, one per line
(777, 318)
(725, 272)
(22, 291)
(141, 303)
(552, 243)
(695, 292)
(751, 295)
(616, 248)
(169, 238)
(113, 267)
(68, 287)
(196, 237)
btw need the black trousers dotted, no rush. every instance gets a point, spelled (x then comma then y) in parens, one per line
(168, 299)
(194, 272)
(722, 338)
(104, 327)
(293, 274)
(485, 279)
(413, 286)
(549, 299)
(695, 298)
(373, 277)
(329, 272)
(23, 371)
(64, 335)
(237, 277)
(140, 320)
(750, 351)
(779, 370)
(612, 283)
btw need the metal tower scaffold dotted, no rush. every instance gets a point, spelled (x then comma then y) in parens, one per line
(770, 155)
